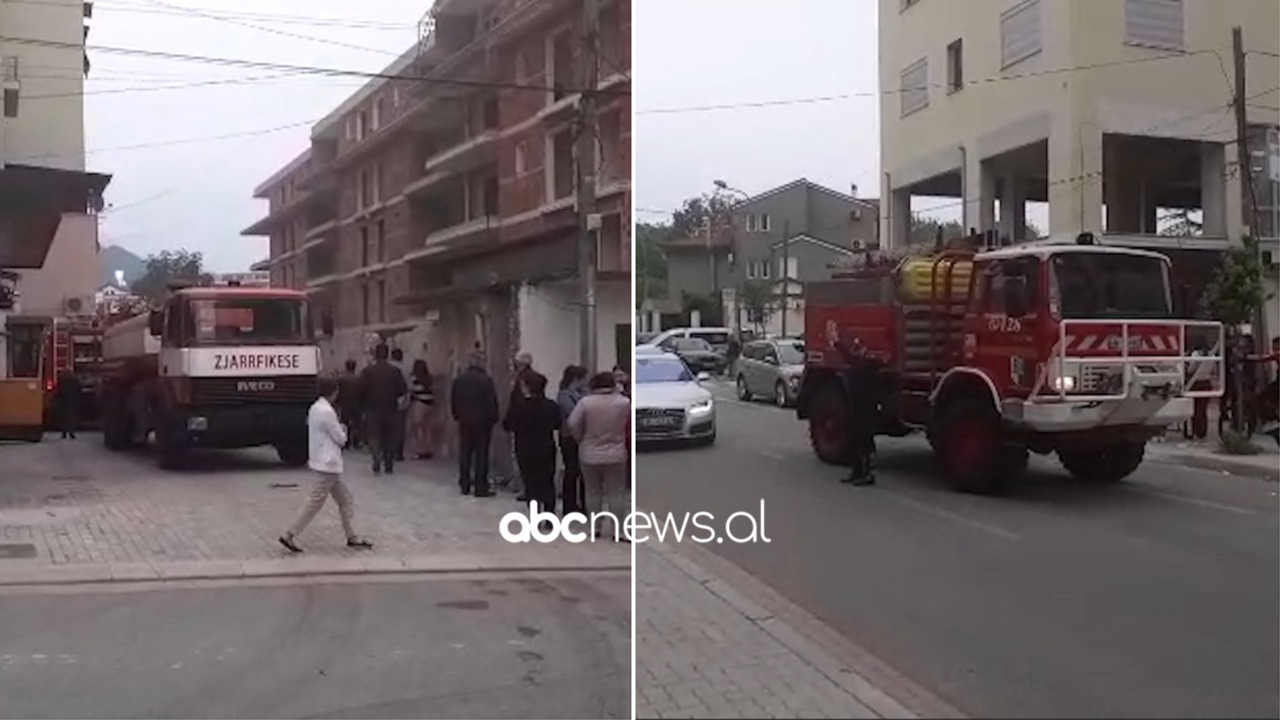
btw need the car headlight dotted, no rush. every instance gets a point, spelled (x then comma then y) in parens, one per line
(702, 406)
(794, 380)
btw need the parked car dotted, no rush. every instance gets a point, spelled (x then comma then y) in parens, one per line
(670, 403)
(716, 337)
(772, 369)
(697, 354)
(644, 338)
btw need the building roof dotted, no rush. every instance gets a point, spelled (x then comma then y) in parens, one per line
(809, 184)
(266, 186)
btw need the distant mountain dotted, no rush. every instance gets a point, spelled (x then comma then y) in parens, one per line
(113, 258)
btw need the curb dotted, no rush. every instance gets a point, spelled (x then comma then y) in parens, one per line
(1220, 464)
(290, 567)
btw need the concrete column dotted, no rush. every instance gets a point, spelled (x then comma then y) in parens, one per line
(1075, 177)
(1213, 188)
(655, 321)
(1122, 192)
(898, 220)
(979, 194)
(1013, 208)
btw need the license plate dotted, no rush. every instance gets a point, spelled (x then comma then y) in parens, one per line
(659, 422)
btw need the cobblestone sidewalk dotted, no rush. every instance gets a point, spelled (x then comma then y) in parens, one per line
(71, 503)
(705, 651)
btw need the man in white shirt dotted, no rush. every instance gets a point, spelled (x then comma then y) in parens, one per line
(326, 437)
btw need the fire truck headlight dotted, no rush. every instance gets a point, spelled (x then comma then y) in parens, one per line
(1066, 383)
(197, 424)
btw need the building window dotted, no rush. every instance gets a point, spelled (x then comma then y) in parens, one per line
(382, 301)
(365, 250)
(1153, 23)
(955, 66)
(758, 270)
(521, 67)
(382, 241)
(792, 269)
(395, 96)
(11, 86)
(379, 112)
(365, 313)
(763, 223)
(522, 158)
(362, 124)
(914, 87)
(1020, 36)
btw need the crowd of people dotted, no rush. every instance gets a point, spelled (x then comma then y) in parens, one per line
(581, 435)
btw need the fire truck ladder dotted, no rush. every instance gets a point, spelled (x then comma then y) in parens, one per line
(932, 331)
(62, 351)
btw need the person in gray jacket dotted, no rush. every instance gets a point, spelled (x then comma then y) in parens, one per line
(601, 422)
(573, 386)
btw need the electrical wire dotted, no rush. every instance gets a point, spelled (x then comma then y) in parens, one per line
(155, 88)
(302, 69)
(217, 17)
(880, 93)
(279, 19)
(180, 141)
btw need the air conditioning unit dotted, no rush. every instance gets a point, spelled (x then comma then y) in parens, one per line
(76, 306)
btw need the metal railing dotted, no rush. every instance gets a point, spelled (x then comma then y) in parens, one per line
(1126, 375)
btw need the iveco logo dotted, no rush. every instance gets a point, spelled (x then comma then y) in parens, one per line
(255, 386)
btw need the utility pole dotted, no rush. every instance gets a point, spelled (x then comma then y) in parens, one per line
(585, 169)
(786, 280)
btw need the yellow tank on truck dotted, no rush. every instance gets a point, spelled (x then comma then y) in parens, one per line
(916, 279)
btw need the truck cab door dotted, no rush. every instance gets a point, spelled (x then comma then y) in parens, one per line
(1003, 334)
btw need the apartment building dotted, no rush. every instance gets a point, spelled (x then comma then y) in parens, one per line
(1113, 113)
(48, 202)
(435, 208)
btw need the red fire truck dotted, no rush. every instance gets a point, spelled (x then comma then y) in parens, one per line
(995, 352)
(73, 345)
(216, 367)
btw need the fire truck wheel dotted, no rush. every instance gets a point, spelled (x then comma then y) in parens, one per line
(974, 452)
(827, 426)
(1104, 465)
(292, 454)
(744, 393)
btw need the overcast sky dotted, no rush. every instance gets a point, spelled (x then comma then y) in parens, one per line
(198, 195)
(690, 53)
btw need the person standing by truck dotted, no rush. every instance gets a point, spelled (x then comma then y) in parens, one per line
(382, 389)
(862, 409)
(66, 404)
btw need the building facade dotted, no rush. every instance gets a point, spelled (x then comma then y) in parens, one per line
(820, 227)
(435, 209)
(48, 202)
(1115, 114)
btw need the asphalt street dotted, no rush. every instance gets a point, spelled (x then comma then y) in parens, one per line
(518, 647)
(1158, 597)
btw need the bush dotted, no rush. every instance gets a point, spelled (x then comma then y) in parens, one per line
(1237, 443)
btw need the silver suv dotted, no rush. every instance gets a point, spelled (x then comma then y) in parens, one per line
(771, 368)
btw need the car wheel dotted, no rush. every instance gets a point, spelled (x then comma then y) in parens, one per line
(744, 392)
(780, 394)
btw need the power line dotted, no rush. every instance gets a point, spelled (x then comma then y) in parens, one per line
(279, 19)
(879, 93)
(156, 88)
(217, 17)
(301, 69)
(181, 141)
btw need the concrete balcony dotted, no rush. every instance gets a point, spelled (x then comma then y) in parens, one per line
(466, 155)
(318, 234)
(449, 238)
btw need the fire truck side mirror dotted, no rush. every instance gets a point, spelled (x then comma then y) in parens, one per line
(1017, 303)
(155, 322)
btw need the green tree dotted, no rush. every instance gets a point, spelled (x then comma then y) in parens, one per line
(168, 266)
(696, 212)
(1237, 291)
(651, 262)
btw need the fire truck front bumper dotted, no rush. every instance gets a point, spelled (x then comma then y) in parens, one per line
(241, 427)
(1066, 415)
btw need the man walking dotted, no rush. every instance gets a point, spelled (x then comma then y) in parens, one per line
(325, 438)
(382, 390)
(474, 403)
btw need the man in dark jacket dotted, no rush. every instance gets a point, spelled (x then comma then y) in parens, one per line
(521, 365)
(862, 409)
(473, 400)
(349, 404)
(382, 390)
(66, 404)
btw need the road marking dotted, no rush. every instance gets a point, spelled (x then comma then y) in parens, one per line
(1197, 502)
(772, 455)
(949, 515)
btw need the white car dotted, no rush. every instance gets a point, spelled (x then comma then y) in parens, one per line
(670, 403)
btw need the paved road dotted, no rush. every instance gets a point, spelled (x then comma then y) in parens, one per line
(1157, 598)
(448, 648)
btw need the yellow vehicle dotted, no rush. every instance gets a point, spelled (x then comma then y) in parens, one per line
(22, 393)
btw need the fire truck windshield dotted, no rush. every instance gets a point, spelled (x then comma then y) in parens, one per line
(249, 321)
(1110, 285)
